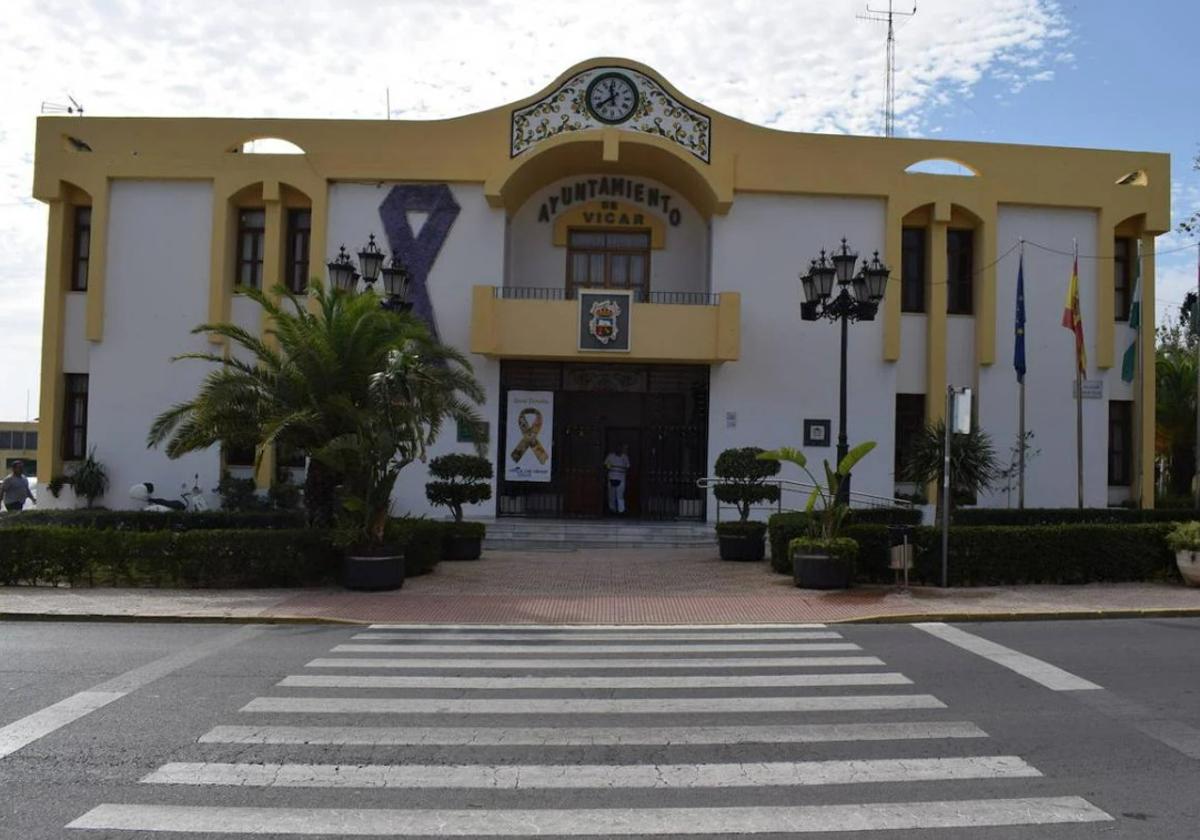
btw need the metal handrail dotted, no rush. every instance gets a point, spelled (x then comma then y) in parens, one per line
(559, 293)
(857, 499)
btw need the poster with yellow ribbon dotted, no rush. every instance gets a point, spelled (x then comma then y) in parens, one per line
(530, 436)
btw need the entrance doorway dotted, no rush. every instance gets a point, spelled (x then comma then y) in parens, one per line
(659, 411)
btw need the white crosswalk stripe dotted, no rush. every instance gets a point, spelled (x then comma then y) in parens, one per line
(551, 684)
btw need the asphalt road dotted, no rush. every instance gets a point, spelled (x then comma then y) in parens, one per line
(999, 730)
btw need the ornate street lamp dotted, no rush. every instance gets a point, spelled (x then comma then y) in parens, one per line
(371, 263)
(846, 306)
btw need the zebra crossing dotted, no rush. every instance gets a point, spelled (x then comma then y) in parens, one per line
(511, 731)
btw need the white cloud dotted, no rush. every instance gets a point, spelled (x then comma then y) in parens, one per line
(796, 65)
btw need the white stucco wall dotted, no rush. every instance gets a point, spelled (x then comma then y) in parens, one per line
(960, 350)
(1050, 359)
(472, 255)
(156, 292)
(788, 370)
(533, 259)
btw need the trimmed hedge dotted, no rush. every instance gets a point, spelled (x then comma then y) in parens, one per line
(143, 520)
(421, 540)
(1000, 555)
(1068, 516)
(206, 558)
(782, 528)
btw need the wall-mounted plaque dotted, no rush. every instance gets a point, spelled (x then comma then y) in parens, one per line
(816, 432)
(604, 318)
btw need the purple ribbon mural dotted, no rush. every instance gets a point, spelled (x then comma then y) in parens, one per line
(420, 251)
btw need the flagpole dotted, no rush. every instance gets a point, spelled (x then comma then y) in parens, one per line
(1196, 321)
(1139, 374)
(1078, 392)
(1021, 409)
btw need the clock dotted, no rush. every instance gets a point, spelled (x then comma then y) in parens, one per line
(611, 98)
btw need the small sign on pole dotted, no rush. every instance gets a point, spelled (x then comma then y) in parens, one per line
(962, 411)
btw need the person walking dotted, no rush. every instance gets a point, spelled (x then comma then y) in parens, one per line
(14, 489)
(617, 464)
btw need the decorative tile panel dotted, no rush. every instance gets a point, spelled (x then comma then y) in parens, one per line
(565, 109)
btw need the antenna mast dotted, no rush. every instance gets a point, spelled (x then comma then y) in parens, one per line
(888, 16)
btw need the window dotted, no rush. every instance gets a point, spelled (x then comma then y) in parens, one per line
(237, 456)
(1120, 443)
(960, 260)
(288, 457)
(599, 259)
(75, 417)
(251, 230)
(31, 440)
(30, 465)
(81, 248)
(299, 230)
(910, 422)
(1123, 274)
(6, 440)
(912, 270)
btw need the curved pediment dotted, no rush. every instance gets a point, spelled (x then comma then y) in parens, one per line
(651, 109)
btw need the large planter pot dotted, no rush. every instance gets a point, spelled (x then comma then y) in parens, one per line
(462, 547)
(742, 547)
(818, 570)
(1189, 566)
(373, 573)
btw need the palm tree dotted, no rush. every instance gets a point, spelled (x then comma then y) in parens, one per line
(973, 465)
(345, 373)
(1175, 412)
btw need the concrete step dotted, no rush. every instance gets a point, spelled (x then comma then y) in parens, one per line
(563, 534)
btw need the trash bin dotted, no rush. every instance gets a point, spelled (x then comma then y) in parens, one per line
(902, 551)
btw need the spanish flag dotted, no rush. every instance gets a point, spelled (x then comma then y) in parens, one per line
(1073, 320)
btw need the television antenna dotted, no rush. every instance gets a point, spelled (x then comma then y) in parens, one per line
(888, 16)
(58, 108)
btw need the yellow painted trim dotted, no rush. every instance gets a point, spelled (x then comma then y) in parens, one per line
(985, 288)
(1146, 353)
(1105, 291)
(97, 259)
(607, 214)
(893, 237)
(49, 450)
(659, 332)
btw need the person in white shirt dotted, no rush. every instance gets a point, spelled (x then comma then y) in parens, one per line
(617, 465)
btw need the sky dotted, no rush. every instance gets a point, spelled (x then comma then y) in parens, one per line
(1099, 74)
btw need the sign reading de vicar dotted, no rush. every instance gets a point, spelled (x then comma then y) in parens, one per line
(529, 433)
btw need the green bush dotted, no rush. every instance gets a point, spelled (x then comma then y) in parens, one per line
(239, 494)
(841, 548)
(475, 530)
(785, 527)
(1066, 516)
(461, 479)
(203, 558)
(1001, 555)
(1184, 537)
(142, 520)
(421, 540)
(742, 475)
(741, 529)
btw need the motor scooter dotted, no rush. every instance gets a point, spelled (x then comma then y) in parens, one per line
(190, 500)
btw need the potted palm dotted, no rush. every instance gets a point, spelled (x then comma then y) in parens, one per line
(1184, 540)
(824, 559)
(460, 479)
(743, 476)
(973, 464)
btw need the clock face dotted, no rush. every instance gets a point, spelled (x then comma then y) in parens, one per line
(612, 98)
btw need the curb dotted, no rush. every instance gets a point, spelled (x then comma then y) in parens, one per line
(897, 618)
(138, 618)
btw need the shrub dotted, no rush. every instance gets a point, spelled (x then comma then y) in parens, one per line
(742, 475)
(212, 558)
(1065, 516)
(1184, 537)
(239, 494)
(841, 548)
(284, 495)
(754, 530)
(89, 479)
(461, 480)
(421, 540)
(141, 520)
(785, 527)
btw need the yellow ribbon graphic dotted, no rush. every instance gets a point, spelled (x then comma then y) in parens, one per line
(529, 421)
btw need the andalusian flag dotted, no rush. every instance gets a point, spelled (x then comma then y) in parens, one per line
(1129, 360)
(1073, 320)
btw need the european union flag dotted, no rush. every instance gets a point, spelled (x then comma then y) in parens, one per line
(1019, 322)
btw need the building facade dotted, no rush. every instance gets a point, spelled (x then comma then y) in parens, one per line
(621, 263)
(19, 442)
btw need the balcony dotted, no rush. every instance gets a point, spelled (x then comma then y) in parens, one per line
(510, 322)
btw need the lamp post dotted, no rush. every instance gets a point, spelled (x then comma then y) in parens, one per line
(342, 275)
(856, 299)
